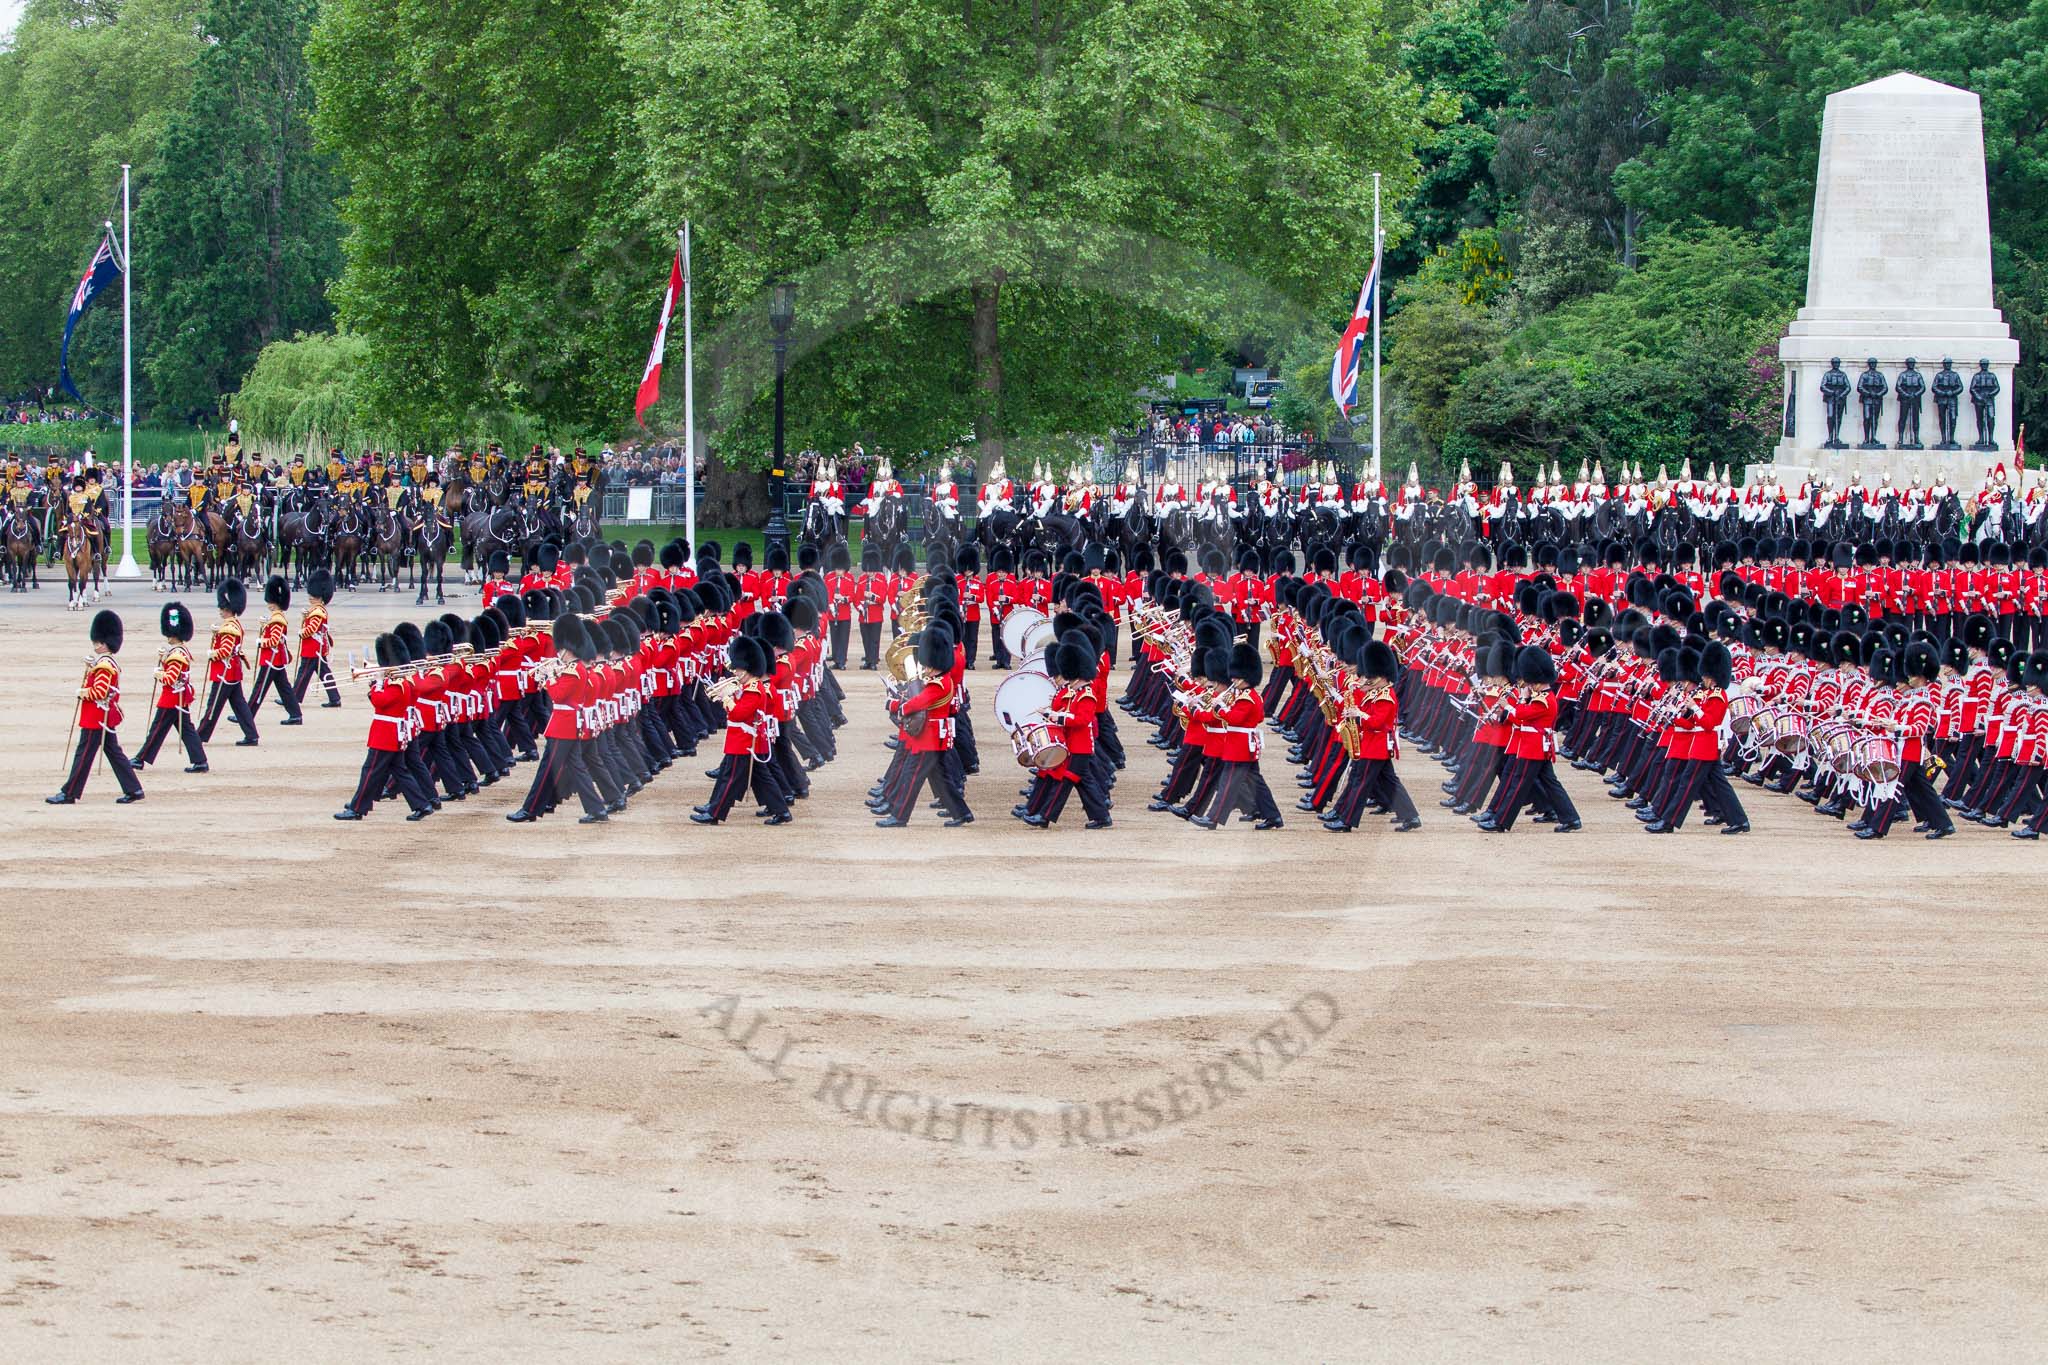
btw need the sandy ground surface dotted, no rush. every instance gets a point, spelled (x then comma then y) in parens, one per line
(272, 1085)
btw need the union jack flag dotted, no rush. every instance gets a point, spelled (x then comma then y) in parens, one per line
(1344, 367)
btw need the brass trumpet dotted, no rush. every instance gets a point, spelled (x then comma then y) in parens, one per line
(726, 690)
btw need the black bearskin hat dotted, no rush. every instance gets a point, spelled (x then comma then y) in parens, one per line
(1245, 666)
(747, 655)
(320, 585)
(175, 621)
(776, 631)
(232, 597)
(935, 649)
(106, 630)
(1534, 666)
(409, 638)
(1074, 662)
(390, 653)
(437, 637)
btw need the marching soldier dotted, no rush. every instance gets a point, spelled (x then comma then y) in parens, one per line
(385, 770)
(174, 691)
(316, 641)
(925, 722)
(224, 667)
(748, 746)
(99, 716)
(273, 654)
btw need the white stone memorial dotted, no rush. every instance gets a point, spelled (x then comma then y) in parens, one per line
(1900, 268)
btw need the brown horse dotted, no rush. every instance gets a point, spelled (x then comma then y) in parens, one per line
(191, 546)
(79, 564)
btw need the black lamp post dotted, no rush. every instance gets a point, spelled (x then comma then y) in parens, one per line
(781, 314)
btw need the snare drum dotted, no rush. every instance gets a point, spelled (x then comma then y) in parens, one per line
(1742, 713)
(1877, 758)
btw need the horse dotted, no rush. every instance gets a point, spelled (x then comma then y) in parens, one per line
(220, 538)
(192, 545)
(941, 535)
(302, 527)
(388, 542)
(431, 538)
(887, 528)
(79, 564)
(251, 551)
(20, 534)
(162, 536)
(346, 543)
(821, 529)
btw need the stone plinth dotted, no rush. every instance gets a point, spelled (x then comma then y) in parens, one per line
(1900, 267)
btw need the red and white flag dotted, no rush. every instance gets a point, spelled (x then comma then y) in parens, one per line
(650, 382)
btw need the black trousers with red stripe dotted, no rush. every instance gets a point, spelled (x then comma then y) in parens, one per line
(230, 697)
(734, 777)
(166, 719)
(91, 744)
(1374, 779)
(561, 768)
(922, 769)
(308, 670)
(1240, 787)
(1524, 778)
(267, 678)
(381, 769)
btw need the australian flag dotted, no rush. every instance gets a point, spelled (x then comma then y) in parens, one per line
(103, 271)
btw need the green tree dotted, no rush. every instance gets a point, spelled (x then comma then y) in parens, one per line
(241, 251)
(1454, 53)
(1585, 117)
(490, 262)
(893, 151)
(85, 86)
(1436, 337)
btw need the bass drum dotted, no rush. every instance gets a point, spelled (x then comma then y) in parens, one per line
(1036, 641)
(1021, 701)
(1017, 625)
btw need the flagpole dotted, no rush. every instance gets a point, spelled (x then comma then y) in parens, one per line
(689, 407)
(1378, 322)
(128, 567)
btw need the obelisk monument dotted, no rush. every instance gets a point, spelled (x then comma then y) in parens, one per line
(1899, 272)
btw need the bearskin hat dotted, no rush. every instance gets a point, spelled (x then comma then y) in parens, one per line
(1074, 661)
(1245, 666)
(801, 613)
(548, 557)
(175, 621)
(231, 596)
(437, 637)
(1599, 642)
(320, 585)
(408, 635)
(935, 649)
(776, 631)
(746, 655)
(1535, 667)
(390, 653)
(106, 630)
(1378, 661)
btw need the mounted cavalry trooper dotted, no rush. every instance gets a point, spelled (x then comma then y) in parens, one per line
(999, 491)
